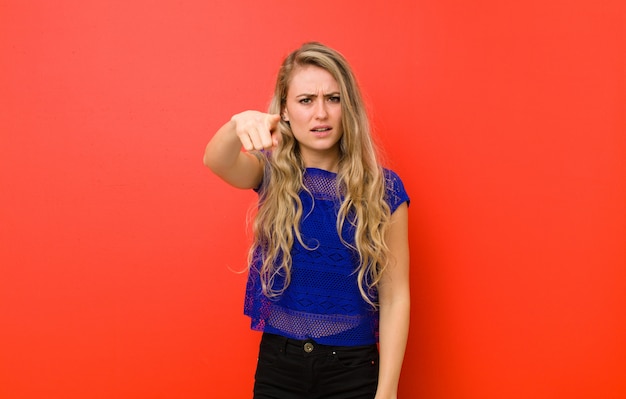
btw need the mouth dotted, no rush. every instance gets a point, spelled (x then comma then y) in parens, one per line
(321, 130)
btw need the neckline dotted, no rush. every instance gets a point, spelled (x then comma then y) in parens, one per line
(314, 169)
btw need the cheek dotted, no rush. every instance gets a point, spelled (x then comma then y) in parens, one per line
(297, 125)
(299, 122)
(298, 116)
(338, 111)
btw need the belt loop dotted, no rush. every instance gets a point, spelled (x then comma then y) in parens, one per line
(283, 344)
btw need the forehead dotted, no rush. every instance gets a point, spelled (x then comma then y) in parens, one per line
(311, 79)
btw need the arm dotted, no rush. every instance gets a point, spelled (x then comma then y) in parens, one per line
(223, 155)
(394, 308)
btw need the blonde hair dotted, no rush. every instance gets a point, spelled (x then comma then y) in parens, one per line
(361, 183)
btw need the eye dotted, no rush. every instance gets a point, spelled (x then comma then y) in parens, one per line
(334, 99)
(305, 100)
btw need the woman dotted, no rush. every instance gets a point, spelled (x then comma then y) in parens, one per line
(329, 264)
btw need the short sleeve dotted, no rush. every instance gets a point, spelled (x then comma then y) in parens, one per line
(396, 195)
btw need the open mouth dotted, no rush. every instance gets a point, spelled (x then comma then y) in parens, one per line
(321, 129)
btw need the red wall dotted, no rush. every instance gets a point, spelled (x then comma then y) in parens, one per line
(506, 121)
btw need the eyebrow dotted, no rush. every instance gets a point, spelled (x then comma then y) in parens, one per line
(335, 93)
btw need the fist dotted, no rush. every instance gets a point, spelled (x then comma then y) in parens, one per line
(256, 130)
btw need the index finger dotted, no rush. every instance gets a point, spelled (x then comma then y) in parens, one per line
(272, 121)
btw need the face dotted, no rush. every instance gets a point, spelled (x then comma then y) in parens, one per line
(313, 109)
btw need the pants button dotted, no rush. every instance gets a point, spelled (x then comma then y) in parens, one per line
(308, 347)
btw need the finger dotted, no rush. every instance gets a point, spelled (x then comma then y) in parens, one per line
(276, 136)
(256, 137)
(266, 138)
(272, 122)
(245, 141)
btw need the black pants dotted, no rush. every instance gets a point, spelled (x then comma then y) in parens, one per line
(292, 369)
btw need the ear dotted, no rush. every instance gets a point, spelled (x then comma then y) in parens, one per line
(285, 115)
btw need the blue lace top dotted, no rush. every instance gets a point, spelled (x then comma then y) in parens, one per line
(323, 301)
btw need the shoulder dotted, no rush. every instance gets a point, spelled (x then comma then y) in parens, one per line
(391, 178)
(395, 192)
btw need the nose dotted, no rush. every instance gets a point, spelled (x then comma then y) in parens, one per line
(320, 109)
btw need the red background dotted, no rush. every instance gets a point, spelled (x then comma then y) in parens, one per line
(506, 121)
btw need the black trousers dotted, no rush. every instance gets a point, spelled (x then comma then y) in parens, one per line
(293, 369)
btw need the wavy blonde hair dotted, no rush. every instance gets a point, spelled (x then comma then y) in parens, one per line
(361, 183)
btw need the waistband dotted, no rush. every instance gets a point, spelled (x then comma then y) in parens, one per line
(309, 346)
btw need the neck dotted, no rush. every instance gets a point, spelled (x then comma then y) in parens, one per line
(328, 162)
(328, 166)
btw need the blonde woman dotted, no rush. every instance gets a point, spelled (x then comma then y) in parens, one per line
(328, 280)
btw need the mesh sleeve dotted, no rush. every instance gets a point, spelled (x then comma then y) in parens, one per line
(396, 193)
